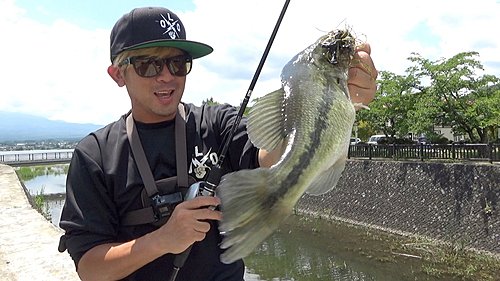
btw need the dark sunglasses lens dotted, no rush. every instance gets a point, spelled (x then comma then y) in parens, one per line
(179, 66)
(151, 67)
(148, 67)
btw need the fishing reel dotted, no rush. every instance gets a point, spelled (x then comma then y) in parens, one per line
(164, 205)
(201, 188)
(205, 188)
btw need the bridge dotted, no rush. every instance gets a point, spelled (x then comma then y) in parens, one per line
(36, 157)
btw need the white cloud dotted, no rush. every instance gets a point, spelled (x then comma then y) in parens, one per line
(59, 70)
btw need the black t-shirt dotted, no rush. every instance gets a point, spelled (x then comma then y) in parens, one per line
(104, 183)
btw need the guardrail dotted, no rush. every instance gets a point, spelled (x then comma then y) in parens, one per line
(36, 157)
(473, 152)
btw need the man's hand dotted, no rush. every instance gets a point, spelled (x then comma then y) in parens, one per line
(186, 225)
(362, 77)
(113, 261)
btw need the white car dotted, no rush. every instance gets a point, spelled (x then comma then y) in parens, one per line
(355, 141)
(375, 139)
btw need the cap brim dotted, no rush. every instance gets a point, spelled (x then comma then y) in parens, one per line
(195, 49)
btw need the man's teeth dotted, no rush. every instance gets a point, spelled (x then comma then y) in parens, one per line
(164, 94)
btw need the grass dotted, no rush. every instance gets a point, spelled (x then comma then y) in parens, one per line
(42, 205)
(437, 259)
(31, 172)
(453, 260)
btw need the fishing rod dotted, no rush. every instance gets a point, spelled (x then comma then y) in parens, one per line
(207, 187)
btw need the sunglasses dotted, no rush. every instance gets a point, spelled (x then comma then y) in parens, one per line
(148, 67)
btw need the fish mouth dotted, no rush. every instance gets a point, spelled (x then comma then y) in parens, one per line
(340, 45)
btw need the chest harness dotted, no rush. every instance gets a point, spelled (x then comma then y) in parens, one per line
(160, 197)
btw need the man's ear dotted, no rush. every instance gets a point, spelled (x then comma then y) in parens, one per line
(117, 74)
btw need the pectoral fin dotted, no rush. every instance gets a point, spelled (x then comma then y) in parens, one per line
(266, 121)
(328, 179)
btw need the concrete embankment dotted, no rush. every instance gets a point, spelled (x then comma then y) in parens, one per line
(28, 242)
(453, 202)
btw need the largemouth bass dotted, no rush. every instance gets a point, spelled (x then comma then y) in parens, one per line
(312, 116)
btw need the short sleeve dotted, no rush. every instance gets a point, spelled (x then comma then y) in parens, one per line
(89, 216)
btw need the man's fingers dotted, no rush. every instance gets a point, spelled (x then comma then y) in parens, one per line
(364, 48)
(201, 201)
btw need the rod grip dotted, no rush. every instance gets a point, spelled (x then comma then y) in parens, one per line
(181, 258)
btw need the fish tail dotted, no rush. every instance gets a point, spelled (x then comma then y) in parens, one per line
(249, 213)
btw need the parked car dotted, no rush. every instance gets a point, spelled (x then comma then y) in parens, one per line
(376, 138)
(423, 140)
(355, 141)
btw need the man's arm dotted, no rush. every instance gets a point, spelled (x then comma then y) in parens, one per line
(267, 159)
(113, 261)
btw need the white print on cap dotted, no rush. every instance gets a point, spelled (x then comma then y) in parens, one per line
(171, 25)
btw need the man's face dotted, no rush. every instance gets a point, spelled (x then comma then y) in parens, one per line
(155, 99)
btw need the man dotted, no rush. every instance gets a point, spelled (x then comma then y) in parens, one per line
(151, 58)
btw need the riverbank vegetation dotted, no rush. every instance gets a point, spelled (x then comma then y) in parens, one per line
(42, 204)
(40, 201)
(442, 259)
(30, 172)
(445, 261)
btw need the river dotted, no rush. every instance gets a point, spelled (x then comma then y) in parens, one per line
(302, 248)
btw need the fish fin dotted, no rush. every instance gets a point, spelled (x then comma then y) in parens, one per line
(266, 121)
(248, 214)
(328, 179)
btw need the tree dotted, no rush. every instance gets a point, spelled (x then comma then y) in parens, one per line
(457, 96)
(210, 101)
(365, 130)
(392, 103)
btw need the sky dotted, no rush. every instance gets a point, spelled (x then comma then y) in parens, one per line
(56, 52)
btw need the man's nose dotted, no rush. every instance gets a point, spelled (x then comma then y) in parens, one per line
(165, 75)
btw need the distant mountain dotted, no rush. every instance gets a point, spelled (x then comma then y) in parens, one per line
(23, 127)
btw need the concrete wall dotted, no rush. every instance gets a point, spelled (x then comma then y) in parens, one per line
(452, 202)
(28, 242)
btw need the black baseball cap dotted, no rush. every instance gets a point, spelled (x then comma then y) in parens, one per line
(153, 27)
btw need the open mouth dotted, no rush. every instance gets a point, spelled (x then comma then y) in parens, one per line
(164, 94)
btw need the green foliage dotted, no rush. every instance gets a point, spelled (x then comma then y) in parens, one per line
(42, 204)
(456, 97)
(31, 172)
(392, 104)
(210, 101)
(365, 130)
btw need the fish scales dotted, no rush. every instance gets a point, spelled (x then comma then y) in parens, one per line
(312, 115)
(308, 152)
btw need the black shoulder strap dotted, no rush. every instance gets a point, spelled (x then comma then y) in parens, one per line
(180, 147)
(140, 157)
(180, 152)
(146, 215)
